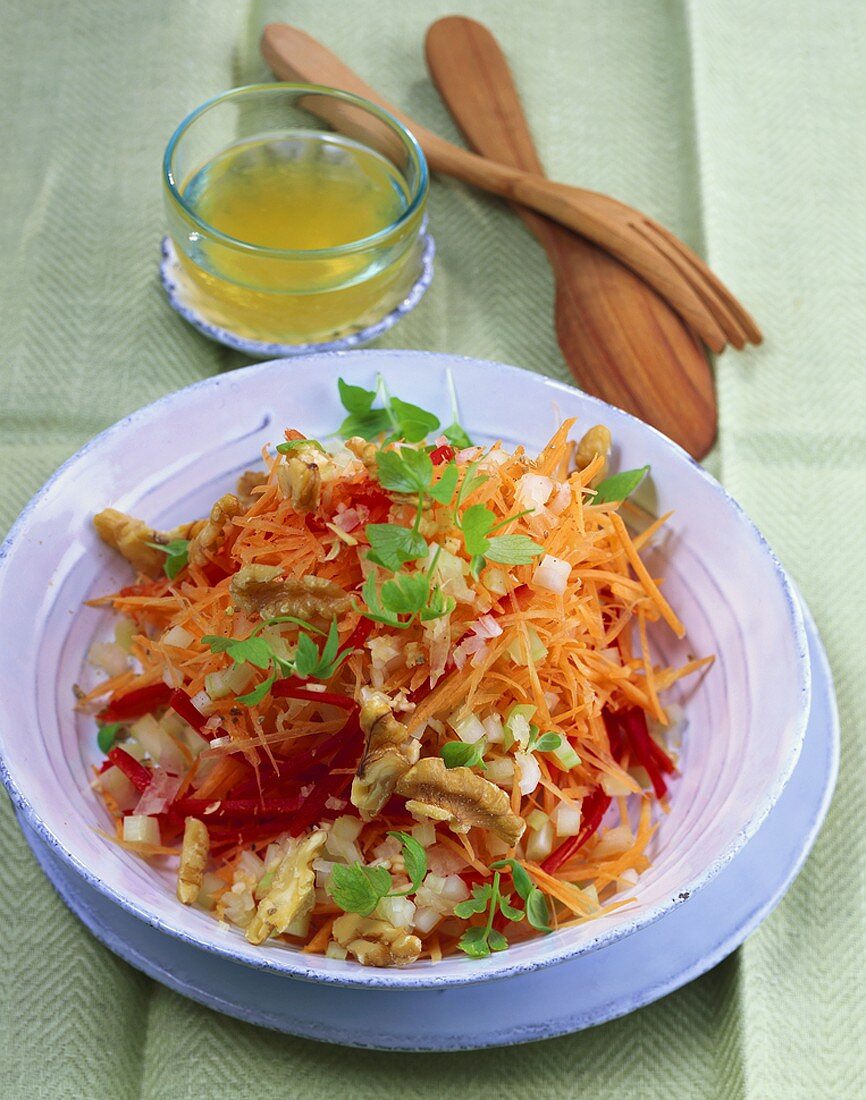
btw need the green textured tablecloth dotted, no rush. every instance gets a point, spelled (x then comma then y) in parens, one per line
(738, 124)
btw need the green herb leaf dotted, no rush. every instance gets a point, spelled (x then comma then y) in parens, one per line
(474, 943)
(254, 650)
(414, 423)
(471, 481)
(508, 910)
(475, 523)
(358, 889)
(392, 546)
(619, 486)
(520, 877)
(457, 437)
(254, 697)
(512, 549)
(406, 593)
(548, 742)
(293, 444)
(444, 488)
(107, 735)
(369, 426)
(176, 555)
(477, 903)
(404, 471)
(437, 605)
(414, 857)
(355, 399)
(375, 608)
(538, 911)
(309, 663)
(496, 940)
(457, 754)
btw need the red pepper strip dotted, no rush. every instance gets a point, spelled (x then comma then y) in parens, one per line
(243, 808)
(633, 724)
(294, 688)
(136, 773)
(358, 636)
(181, 704)
(135, 703)
(444, 453)
(594, 808)
(346, 756)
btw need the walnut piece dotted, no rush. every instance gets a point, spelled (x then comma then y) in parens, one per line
(130, 537)
(211, 533)
(300, 477)
(596, 441)
(375, 942)
(292, 893)
(261, 589)
(193, 857)
(364, 450)
(249, 480)
(390, 752)
(460, 798)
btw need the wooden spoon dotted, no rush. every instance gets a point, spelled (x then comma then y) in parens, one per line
(655, 254)
(620, 339)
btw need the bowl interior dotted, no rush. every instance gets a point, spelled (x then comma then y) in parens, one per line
(745, 716)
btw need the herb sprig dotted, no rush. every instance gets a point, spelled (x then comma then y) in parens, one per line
(357, 888)
(176, 555)
(308, 661)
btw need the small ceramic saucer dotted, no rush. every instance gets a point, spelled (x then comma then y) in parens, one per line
(550, 1001)
(181, 299)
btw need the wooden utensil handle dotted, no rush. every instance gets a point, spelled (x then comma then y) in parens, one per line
(294, 55)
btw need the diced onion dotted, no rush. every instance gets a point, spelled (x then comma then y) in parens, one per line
(500, 771)
(629, 876)
(124, 631)
(341, 839)
(537, 648)
(530, 772)
(398, 911)
(178, 637)
(426, 919)
(108, 656)
(615, 787)
(565, 756)
(140, 829)
(493, 729)
(153, 738)
(567, 819)
(537, 820)
(334, 951)
(469, 729)
(115, 783)
(517, 724)
(424, 833)
(551, 574)
(540, 843)
(300, 926)
(235, 679)
(613, 842)
(533, 492)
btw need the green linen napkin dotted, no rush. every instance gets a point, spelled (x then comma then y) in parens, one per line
(736, 124)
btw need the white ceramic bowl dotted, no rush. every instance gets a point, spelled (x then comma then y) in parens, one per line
(169, 461)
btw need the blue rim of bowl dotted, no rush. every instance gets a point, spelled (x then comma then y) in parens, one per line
(169, 273)
(363, 977)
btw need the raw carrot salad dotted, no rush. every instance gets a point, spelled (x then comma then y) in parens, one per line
(392, 699)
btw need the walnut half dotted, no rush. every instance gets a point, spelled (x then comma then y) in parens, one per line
(130, 538)
(260, 589)
(193, 857)
(292, 893)
(375, 942)
(390, 752)
(460, 798)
